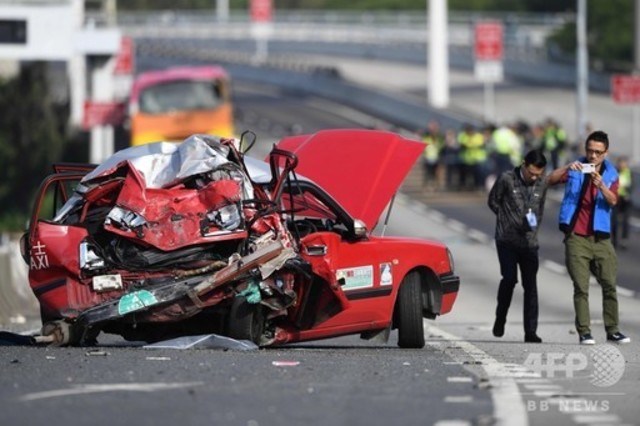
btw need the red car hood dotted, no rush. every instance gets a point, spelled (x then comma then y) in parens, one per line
(361, 169)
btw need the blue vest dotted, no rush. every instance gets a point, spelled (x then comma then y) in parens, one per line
(573, 194)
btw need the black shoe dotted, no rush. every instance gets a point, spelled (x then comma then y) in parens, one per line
(618, 338)
(532, 338)
(587, 339)
(498, 328)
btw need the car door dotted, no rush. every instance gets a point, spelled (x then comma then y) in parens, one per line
(350, 264)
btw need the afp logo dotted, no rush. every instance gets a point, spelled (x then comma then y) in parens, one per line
(603, 365)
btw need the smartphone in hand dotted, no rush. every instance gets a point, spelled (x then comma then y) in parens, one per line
(588, 168)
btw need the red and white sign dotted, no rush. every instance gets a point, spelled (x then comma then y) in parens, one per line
(102, 114)
(261, 10)
(126, 56)
(625, 89)
(488, 41)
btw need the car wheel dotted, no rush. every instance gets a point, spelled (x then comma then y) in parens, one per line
(61, 333)
(409, 313)
(246, 320)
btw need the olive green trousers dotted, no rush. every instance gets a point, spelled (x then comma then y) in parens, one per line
(585, 256)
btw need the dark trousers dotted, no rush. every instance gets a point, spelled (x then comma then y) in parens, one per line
(510, 258)
(620, 216)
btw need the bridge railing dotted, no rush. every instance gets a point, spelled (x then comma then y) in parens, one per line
(525, 33)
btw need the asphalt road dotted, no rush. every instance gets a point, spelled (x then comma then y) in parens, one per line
(338, 382)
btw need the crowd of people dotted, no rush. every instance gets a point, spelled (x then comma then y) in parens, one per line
(471, 158)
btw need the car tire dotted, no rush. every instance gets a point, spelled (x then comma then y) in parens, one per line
(409, 313)
(246, 320)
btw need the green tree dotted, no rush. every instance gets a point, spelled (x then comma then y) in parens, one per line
(31, 138)
(609, 35)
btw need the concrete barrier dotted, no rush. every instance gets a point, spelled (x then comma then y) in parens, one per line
(19, 308)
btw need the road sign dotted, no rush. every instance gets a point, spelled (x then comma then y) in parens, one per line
(488, 71)
(125, 57)
(261, 10)
(488, 41)
(625, 89)
(102, 114)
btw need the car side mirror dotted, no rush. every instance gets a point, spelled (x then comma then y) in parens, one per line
(24, 248)
(359, 228)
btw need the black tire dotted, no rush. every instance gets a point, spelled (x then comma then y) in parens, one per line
(409, 313)
(246, 321)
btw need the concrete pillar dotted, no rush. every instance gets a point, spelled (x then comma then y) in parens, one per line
(102, 137)
(438, 87)
(582, 71)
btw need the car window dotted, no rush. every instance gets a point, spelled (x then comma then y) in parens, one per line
(308, 210)
(304, 204)
(182, 95)
(55, 195)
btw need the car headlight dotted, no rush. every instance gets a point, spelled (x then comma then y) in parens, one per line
(451, 262)
(228, 217)
(124, 219)
(89, 259)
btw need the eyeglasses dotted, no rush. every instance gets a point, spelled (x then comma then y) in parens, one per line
(595, 152)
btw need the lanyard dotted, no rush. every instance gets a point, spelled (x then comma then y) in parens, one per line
(529, 190)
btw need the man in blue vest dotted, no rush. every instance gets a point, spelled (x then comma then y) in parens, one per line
(591, 190)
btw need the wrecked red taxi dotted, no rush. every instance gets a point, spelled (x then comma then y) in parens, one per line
(167, 240)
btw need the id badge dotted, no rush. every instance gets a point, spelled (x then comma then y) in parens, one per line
(532, 219)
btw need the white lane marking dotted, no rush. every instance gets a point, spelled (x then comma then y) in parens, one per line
(554, 267)
(479, 236)
(110, 387)
(562, 270)
(456, 225)
(544, 393)
(534, 386)
(454, 379)
(623, 291)
(436, 216)
(452, 423)
(596, 418)
(518, 371)
(509, 408)
(532, 380)
(461, 399)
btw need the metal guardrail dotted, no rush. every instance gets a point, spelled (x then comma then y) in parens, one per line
(527, 32)
(397, 18)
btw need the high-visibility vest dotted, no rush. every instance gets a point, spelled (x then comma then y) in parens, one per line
(473, 148)
(553, 138)
(432, 150)
(624, 187)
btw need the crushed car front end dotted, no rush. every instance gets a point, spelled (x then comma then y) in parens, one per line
(160, 241)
